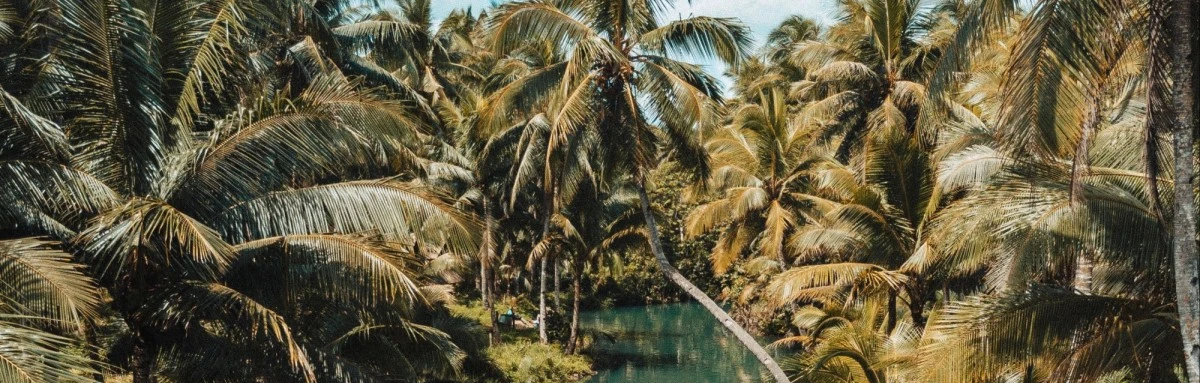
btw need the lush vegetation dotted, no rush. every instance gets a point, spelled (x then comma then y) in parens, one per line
(338, 190)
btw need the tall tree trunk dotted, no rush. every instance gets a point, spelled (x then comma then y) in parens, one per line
(557, 290)
(573, 340)
(142, 361)
(1187, 280)
(678, 279)
(916, 303)
(547, 211)
(891, 312)
(542, 302)
(89, 336)
(485, 279)
(1080, 165)
(1083, 272)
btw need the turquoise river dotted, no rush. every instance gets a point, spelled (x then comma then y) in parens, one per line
(677, 343)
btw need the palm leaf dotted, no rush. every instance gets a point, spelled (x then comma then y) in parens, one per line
(41, 281)
(29, 355)
(702, 37)
(343, 267)
(395, 209)
(145, 236)
(190, 301)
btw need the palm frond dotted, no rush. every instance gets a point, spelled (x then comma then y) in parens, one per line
(394, 209)
(51, 197)
(191, 301)
(39, 280)
(343, 267)
(29, 355)
(25, 134)
(805, 283)
(702, 37)
(145, 236)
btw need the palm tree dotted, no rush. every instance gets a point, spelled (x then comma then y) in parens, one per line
(851, 344)
(755, 161)
(617, 72)
(1187, 263)
(191, 206)
(1068, 44)
(868, 71)
(596, 227)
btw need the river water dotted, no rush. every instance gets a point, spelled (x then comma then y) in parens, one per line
(676, 343)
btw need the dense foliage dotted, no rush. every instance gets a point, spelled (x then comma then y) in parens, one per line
(299, 190)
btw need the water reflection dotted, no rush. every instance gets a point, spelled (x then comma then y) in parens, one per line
(677, 343)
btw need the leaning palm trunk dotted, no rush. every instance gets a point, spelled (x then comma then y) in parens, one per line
(678, 279)
(1187, 282)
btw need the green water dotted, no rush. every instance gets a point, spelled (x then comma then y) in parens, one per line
(678, 343)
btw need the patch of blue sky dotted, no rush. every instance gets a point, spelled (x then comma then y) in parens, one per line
(760, 15)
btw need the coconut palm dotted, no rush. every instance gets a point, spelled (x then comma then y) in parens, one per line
(617, 72)
(596, 227)
(867, 71)
(1067, 45)
(755, 162)
(180, 204)
(851, 344)
(857, 238)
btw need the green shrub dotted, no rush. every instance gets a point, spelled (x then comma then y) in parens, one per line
(529, 362)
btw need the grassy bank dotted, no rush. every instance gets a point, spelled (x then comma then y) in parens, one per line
(519, 356)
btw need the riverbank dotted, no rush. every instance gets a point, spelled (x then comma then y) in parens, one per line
(519, 357)
(669, 343)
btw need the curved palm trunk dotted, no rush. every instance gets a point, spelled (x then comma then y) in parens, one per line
(678, 279)
(1187, 275)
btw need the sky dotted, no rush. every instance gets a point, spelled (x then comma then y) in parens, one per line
(760, 15)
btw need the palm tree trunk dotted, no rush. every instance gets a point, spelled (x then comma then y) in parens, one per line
(891, 311)
(1083, 272)
(548, 205)
(678, 279)
(485, 280)
(542, 302)
(89, 335)
(141, 363)
(557, 291)
(573, 340)
(1080, 165)
(1187, 280)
